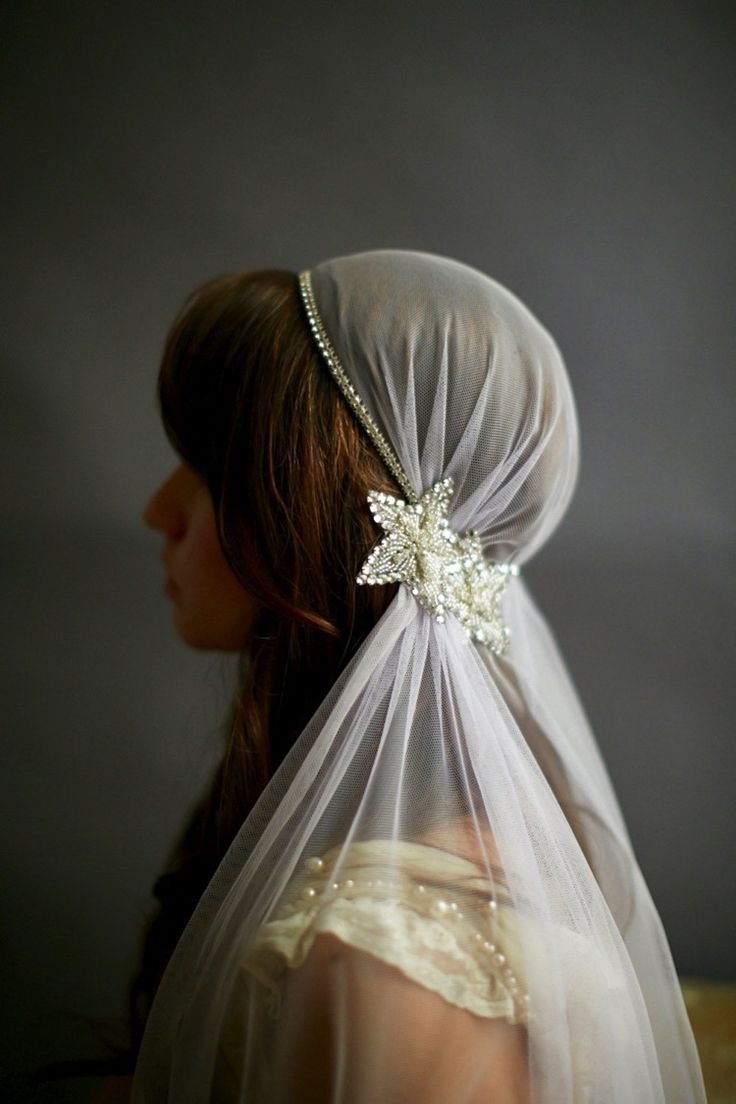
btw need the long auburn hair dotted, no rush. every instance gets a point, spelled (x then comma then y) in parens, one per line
(246, 402)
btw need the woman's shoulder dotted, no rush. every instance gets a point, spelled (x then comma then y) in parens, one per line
(428, 912)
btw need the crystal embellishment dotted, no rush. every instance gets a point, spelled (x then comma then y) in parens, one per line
(445, 571)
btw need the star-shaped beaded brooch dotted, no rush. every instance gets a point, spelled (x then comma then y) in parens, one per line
(444, 570)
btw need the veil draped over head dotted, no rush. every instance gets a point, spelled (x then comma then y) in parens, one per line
(435, 899)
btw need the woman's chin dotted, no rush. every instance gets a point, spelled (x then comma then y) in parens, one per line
(205, 638)
(190, 633)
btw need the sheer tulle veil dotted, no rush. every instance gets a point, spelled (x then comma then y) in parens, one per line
(458, 776)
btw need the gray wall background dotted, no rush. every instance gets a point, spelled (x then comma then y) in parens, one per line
(583, 155)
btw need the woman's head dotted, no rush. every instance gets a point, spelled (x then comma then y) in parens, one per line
(458, 374)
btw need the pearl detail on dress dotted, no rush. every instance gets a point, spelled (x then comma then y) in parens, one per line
(438, 907)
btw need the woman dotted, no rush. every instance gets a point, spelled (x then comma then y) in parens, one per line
(410, 880)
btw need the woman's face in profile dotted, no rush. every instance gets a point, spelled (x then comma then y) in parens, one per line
(212, 610)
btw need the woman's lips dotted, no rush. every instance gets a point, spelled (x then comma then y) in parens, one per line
(169, 586)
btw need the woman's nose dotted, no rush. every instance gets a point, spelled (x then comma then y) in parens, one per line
(162, 511)
(150, 514)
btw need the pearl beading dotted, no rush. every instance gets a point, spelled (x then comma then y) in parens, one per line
(317, 888)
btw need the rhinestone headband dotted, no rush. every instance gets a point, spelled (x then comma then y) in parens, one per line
(445, 571)
(340, 376)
